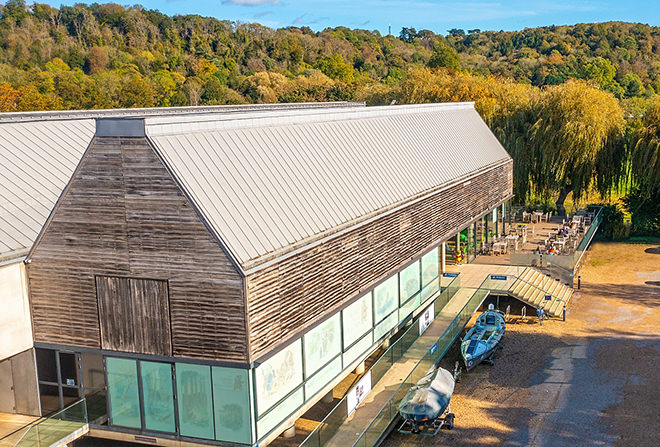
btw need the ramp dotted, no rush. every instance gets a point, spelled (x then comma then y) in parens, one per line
(540, 291)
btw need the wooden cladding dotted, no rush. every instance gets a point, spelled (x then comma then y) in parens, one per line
(287, 297)
(134, 315)
(124, 215)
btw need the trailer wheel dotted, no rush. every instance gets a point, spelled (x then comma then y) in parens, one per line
(449, 421)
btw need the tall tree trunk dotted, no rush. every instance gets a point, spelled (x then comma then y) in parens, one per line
(563, 193)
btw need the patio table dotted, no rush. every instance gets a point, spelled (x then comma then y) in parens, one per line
(559, 244)
(512, 240)
(499, 247)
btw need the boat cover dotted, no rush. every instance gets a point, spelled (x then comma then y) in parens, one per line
(430, 396)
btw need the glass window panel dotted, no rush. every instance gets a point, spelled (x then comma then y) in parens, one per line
(386, 298)
(123, 392)
(409, 307)
(277, 376)
(431, 288)
(317, 382)
(231, 403)
(158, 396)
(357, 319)
(280, 413)
(386, 325)
(430, 266)
(193, 388)
(322, 344)
(46, 365)
(359, 348)
(409, 281)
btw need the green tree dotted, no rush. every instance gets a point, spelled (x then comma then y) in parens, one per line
(336, 68)
(575, 123)
(444, 56)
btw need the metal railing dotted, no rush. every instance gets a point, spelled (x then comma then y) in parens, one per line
(329, 426)
(380, 425)
(62, 424)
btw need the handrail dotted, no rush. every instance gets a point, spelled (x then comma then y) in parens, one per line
(428, 354)
(60, 415)
(592, 229)
(388, 353)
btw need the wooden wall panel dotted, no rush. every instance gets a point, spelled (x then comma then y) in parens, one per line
(134, 315)
(123, 215)
(289, 296)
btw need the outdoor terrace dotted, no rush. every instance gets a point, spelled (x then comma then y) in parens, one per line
(542, 240)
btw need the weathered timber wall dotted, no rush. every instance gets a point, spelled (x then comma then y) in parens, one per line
(123, 215)
(134, 315)
(287, 297)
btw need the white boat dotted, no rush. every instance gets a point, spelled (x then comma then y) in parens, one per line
(481, 341)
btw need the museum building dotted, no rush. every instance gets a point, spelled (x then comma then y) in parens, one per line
(214, 274)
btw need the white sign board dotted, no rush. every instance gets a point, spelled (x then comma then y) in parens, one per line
(426, 319)
(359, 392)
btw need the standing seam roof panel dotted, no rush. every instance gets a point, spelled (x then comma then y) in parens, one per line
(286, 179)
(37, 160)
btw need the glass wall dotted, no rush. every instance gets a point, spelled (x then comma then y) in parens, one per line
(357, 319)
(231, 398)
(322, 344)
(451, 251)
(193, 387)
(386, 298)
(158, 396)
(278, 376)
(212, 402)
(123, 396)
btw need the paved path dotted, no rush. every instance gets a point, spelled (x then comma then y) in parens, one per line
(568, 400)
(472, 275)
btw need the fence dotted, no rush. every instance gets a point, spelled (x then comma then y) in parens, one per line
(331, 423)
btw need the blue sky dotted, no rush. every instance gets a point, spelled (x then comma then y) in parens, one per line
(436, 15)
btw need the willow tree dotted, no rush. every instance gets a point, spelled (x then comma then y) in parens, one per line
(578, 127)
(643, 199)
(645, 154)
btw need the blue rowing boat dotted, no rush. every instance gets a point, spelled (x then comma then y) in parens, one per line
(480, 342)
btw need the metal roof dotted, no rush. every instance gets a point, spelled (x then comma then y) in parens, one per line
(270, 182)
(37, 160)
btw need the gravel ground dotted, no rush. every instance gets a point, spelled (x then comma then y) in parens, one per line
(592, 380)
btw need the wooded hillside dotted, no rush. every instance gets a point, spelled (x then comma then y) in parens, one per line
(576, 106)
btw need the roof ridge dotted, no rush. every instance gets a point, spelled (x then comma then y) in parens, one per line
(172, 125)
(61, 115)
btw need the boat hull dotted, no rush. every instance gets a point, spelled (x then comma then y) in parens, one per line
(472, 362)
